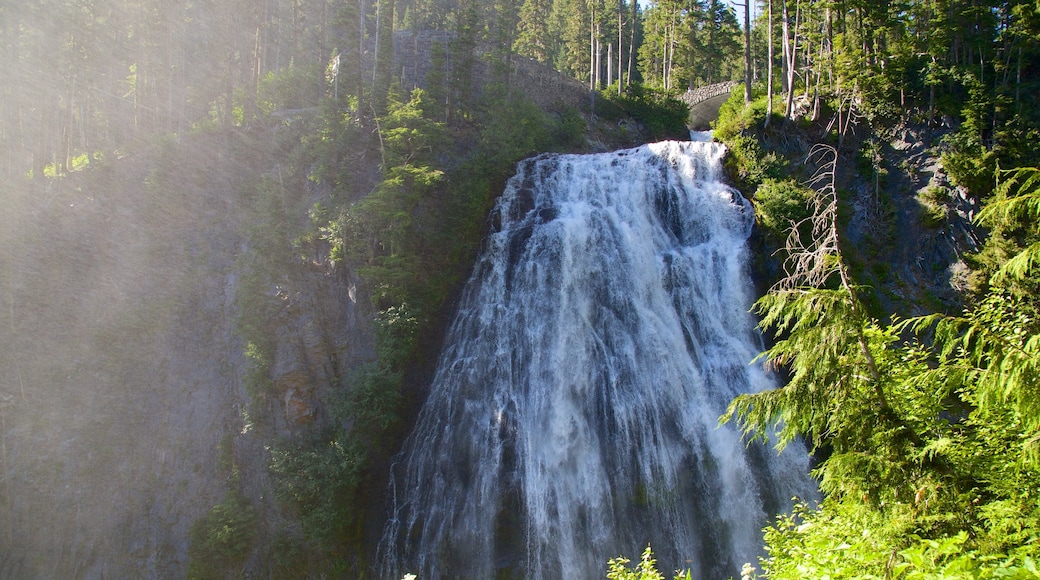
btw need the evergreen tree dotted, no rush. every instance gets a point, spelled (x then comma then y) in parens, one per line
(534, 31)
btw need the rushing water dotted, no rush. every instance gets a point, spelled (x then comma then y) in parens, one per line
(573, 415)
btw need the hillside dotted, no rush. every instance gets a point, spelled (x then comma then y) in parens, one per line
(139, 288)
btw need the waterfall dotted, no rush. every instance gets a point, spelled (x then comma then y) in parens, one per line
(573, 415)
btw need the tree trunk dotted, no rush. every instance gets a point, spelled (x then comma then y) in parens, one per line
(592, 47)
(769, 63)
(785, 47)
(621, 37)
(793, 54)
(632, 44)
(747, 52)
(1018, 82)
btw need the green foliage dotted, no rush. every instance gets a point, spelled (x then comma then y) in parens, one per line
(750, 164)
(934, 204)
(736, 118)
(513, 128)
(663, 116)
(286, 557)
(646, 569)
(969, 161)
(321, 479)
(971, 166)
(840, 540)
(293, 87)
(929, 447)
(370, 402)
(995, 348)
(1016, 212)
(257, 376)
(570, 133)
(410, 136)
(780, 204)
(380, 232)
(737, 126)
(826, 543)
(396, 336)
(221, 539)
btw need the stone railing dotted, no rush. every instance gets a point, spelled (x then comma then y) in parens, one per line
(701, 94)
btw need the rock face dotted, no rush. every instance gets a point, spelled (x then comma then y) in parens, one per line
(925, 223)
(122, 365)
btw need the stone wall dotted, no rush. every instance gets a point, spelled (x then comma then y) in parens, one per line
(694, 97)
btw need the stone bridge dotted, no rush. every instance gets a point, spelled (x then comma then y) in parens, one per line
(705, 102)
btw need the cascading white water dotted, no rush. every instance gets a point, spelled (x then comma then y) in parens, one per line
(573, 415)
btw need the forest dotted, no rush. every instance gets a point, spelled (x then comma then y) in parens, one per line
(922, 411)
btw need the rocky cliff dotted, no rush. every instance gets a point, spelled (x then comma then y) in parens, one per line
(122, 401)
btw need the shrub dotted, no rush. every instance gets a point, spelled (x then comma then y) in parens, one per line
(749, 165)
(663, 116)
(221, 539)
(321, 478)
(617, 569)
(779, 204)
(735, 117)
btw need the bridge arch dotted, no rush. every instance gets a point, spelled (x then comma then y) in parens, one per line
(705, 101)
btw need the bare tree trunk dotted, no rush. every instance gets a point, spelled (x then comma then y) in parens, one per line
(769, 64)
(792, 52)
(375, 57)
(747, 52)
(361, 65)
(671, 49)
(632, 45)
(599, 59)
(229, 104)
(785, 46)
(592, 47)
(1018, 82)
(621, 46)
(7, 477)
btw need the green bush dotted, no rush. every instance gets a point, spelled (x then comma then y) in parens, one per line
(320, 477)
(570, 132)
(735, 118)
(740, 127)
(221, 539)
(617, 569)
(663, 115)
(779, 204)
(291, 87)
(749, 165)
(370, 402)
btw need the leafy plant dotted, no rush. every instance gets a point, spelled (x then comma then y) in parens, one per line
(663, 116)
(221, 539)
(779, 204)
(925, 444)
(646, 569)
(321, 479)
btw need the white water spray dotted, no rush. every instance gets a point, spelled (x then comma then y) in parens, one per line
(573, 415)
